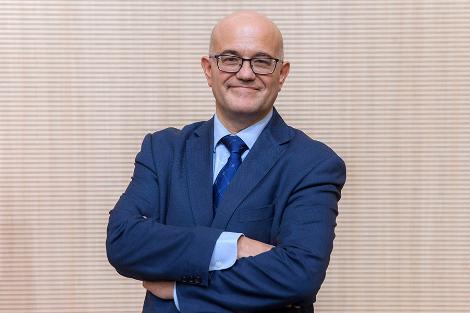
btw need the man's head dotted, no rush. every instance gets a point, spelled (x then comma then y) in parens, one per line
(245, 97)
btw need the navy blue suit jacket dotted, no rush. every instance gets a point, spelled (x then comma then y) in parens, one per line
(285, 193)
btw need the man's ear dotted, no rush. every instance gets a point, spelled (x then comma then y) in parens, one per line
(284, 72)
(206, 67)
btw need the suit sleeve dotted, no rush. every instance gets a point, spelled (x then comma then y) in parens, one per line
(294, 270)
(139, 246)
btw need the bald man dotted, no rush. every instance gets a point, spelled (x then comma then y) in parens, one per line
(237, 213)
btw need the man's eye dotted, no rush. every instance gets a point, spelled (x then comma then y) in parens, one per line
(262, 62)
(230, 59)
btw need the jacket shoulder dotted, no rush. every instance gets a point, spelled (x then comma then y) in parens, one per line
(310, 149)
(164, 144)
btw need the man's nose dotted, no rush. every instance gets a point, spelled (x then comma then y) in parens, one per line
(245, 72)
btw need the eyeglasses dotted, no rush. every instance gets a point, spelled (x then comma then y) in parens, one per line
(232, 64)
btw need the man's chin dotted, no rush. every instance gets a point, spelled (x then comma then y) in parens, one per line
(247, 112)
(245, 108)
(244, 102)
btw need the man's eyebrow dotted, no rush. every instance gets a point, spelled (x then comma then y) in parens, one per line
(257, 55)
(263, 55)
(228, 51)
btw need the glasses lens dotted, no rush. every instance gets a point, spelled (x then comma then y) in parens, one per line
(263, 65)
(229, 63)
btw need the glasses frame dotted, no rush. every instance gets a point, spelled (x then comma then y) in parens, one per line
(217, 57)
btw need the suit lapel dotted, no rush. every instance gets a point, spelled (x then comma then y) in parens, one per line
(265, 152)
(199, 172)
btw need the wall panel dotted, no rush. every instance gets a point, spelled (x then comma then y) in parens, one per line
(385, 83)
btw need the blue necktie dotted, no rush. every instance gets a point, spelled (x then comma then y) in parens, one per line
(236, 146)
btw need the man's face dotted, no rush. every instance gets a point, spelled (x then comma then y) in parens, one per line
(245, 95)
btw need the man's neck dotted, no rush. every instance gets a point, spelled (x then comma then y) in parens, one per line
(239, 122)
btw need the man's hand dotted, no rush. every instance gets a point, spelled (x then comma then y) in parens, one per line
(161, 289)
(249, 247)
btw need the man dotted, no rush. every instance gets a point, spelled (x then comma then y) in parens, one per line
(234, 214)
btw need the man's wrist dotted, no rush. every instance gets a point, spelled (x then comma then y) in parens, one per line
(240, 246)
(247, 247)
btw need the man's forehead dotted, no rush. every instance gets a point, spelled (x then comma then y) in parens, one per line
(246, 40)
(247, 31)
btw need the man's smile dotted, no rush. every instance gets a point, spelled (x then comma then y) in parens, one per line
(244, 88)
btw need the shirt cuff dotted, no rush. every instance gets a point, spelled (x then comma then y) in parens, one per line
(175, 298)
(225, 251)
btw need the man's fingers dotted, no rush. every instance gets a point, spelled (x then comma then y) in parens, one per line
(161, 289)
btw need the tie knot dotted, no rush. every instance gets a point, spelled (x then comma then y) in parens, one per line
(234, 144)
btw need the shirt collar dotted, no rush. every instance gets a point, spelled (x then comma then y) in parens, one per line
(248, 135)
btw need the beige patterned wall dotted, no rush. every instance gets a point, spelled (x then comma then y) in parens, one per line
(385, 83)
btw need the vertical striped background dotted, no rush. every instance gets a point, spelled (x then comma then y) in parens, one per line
(385, 83)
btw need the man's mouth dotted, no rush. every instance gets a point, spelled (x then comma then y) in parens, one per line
(244, 87)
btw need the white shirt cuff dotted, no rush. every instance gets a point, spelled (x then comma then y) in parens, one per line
(175, 298)
(225, 251)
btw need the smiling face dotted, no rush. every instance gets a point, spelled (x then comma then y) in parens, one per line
(243, 98)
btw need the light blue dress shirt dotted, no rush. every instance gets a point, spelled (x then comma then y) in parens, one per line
(225, 250)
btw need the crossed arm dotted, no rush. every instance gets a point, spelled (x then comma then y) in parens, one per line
(246, 247)
(263, 277)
